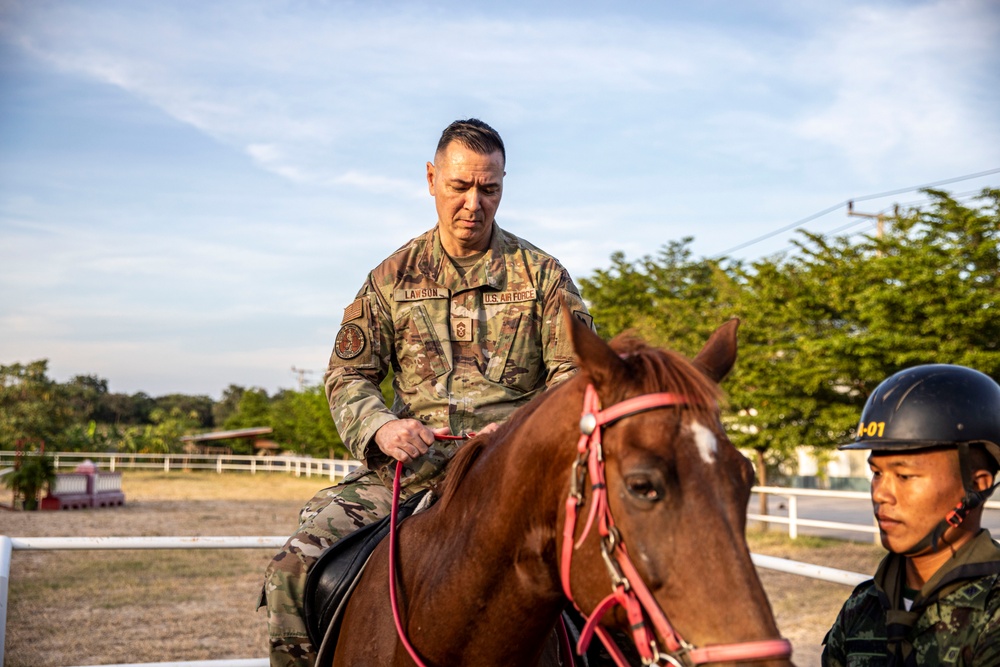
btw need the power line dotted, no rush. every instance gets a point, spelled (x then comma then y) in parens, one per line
(959, 197)
(831, 209)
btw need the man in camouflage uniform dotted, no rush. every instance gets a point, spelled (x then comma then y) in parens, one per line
(469, 319)
(934, 432)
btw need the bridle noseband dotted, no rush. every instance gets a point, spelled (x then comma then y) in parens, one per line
(629, 589)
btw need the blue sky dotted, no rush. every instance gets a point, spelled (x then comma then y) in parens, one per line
(191, 192)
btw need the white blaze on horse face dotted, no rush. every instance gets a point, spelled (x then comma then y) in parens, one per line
(705, 440)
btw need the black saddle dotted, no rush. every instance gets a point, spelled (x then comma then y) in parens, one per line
(334, 576)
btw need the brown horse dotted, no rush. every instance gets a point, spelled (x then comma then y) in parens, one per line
(480, 573)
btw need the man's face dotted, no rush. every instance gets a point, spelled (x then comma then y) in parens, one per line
(912, 492)
(466, 187)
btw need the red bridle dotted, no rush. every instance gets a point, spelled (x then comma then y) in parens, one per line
(629, 590)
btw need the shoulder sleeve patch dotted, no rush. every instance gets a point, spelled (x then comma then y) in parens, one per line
(356, 344)
(351, 341)
(584, 317)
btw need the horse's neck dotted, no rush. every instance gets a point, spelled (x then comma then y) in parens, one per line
(498, 531)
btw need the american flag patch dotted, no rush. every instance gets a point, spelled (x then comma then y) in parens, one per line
(353, 311)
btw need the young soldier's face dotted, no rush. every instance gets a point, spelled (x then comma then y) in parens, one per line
(466, 187)
(912, 492)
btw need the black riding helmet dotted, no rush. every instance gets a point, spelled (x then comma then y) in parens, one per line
(933, 406)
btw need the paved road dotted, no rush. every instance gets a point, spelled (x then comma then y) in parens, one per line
(843, 510)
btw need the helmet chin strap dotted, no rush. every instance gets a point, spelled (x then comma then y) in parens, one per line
(973, 498)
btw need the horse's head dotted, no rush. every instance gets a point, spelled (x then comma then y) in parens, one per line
(673, 508)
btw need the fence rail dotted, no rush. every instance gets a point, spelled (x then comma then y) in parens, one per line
(10, 544)
(794, 521)
(297, 465)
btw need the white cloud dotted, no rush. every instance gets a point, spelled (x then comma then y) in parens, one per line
(626, 132)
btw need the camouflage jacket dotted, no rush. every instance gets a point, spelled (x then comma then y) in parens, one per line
(954, 620)
(465, 351)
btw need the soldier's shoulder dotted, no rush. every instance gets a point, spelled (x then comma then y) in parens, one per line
(535, 257)
(864, 594)
(406, 255)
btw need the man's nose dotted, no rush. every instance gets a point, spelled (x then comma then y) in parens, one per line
(472, 199)
(881, 492)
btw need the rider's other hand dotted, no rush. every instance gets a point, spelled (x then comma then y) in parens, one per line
(489, 428)
(404, 439)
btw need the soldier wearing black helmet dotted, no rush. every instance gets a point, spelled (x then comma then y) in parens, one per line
(934, 436)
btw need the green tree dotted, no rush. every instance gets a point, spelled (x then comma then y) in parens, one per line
(822, 326)
(32, 406)
(302, 423)
(222, 410)
(197, 407)
(669, 299)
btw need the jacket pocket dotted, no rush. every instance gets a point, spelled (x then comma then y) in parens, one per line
(419, 350)
(517, 357)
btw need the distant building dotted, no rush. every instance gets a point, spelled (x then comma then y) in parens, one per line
(201, 444)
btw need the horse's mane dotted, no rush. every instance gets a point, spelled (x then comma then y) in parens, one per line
(648, 369)
(652, 369)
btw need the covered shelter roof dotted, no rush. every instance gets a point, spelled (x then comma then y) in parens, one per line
(228, 435)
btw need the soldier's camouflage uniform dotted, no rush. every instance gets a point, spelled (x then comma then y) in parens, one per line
(954, 620)
(466, 347)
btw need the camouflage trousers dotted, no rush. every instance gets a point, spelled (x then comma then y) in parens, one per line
(334, 512)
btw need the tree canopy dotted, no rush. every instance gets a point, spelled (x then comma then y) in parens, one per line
(824, 324)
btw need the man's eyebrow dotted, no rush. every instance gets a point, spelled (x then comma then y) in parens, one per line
(899, 463)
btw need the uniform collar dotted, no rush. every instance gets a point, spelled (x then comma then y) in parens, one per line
(977, 558)
(489, 271)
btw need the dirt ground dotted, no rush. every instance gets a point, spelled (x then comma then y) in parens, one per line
(108, 607)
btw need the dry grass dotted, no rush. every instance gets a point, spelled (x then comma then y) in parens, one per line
(100, 607)
(91, 607)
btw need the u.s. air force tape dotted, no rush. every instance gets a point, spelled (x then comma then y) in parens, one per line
(350, 341)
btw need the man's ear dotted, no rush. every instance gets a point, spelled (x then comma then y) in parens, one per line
(430, 177)
(982, 479)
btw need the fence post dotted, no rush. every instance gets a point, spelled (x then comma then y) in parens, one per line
(111, 464)
(218, 464)
(166, 463)
(253, 466)
(793, 516)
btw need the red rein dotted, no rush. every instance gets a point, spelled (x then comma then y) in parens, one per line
(396, 616)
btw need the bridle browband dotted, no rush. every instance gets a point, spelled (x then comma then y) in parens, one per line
(629, 589)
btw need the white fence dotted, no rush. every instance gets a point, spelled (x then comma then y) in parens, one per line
(300, 466)
(794, 521)
(10, 544)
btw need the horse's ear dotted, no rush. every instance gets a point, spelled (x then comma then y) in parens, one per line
(719, 354)
(593, 355)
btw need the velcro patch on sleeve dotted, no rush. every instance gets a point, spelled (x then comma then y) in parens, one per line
(584, 317)
(353, 311)
(351, 341)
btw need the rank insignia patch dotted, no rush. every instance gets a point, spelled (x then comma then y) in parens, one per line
(461, 329)
(350, 341)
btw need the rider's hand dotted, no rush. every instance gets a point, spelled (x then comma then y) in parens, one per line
(404, 439)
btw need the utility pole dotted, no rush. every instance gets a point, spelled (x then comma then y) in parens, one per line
(301, 372)
(878, 217)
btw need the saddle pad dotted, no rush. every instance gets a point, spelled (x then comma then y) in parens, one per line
(336, 573)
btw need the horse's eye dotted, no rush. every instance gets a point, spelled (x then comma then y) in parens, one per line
(642, 488)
